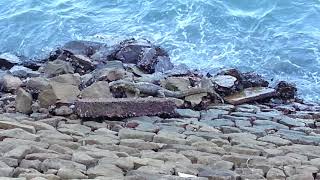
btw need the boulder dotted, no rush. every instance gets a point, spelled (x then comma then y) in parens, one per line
(72, 79)
(8, 60)
(85, 48)
(286, 90)
(23, 101)
(176, 83)
(126, 107)
(37, 84)
(98, 89)
(57, 67)
(59, 92)
(224, 81)
(23, 72)
(9, 83)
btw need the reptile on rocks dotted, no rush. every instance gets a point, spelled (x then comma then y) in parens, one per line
(155, 90)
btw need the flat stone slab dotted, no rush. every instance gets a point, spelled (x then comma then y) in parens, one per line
(250, 94)
(124, 107)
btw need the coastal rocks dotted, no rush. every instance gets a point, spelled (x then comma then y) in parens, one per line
(97, 90)
(23, 72)
(126, 107)
(59, 92)
(9, 83)
(57, 67)
(23, 101)
(144, 54)
(250, 95)
(286, 90)
(8, 60)
(224, 81)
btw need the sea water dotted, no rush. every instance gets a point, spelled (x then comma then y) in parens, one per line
(279, 39)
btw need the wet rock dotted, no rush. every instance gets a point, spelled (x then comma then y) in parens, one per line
(82, 64)
(59, 92)
(163, 64)
(85, 48)
(57, 67)
(286, 90)
(251, 79)
(8, 60)
(23, 72)
(9, 83)
(250, 95)
(124, 107)
(23, 101)
(98, 89)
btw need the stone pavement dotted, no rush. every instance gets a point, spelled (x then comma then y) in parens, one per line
(223, 142)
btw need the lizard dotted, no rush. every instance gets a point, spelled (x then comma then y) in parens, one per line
(156, 90)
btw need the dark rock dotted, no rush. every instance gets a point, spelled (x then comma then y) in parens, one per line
(57, 67)
(86, 48)
(23, 72)
(130, 50)
(251, 79)
(163, 64)
(250, 95)
(8, 60)
(286, 90)
(128, 107)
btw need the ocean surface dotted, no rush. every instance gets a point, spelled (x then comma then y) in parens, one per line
(278, 38)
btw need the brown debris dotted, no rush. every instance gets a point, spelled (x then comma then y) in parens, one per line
(250, 95)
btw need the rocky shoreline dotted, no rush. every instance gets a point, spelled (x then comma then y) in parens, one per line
(93, 111)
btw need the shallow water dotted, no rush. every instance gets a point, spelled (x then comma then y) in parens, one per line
(277, 38)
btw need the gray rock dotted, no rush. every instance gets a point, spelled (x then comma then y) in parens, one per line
(12, 125)
(63, 111)
(169, 138)
(291, 122)
(19, 152)
(140, 144)
(250, 95)
(275, 173)
(9, 83)
(59, 92)
(65, 173)
(188, 113)
(98, 89)
(8, 60)
(224, 81)
(106, 170)
(37, 84)
(275, 140)
(83, 158)
(23, 72)
(213, 114)
(30, 164)
(57, 67)
(60, 163)
(19, 134)
(23, 101)
(71, 79)
(219, 174)
(133, 134)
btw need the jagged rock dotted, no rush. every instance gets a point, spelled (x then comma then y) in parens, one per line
(275, 173)
(12, 125)
(85, 48)
(63, 111)
(82, 64)
(18, 133)
(251, 79)
(127, 107)
(176, 83)
(65, 173)
(250, 94)
(57, 67)
(37, 84)
(71, 79)
(219, 174)
(59, 92)
(110, 74)
(23, 72)
(98, 89)
(19, 152)
(23, 101)
(286, 90)
(8, 60)
(163, 64)
(224, 81)
(9, 83)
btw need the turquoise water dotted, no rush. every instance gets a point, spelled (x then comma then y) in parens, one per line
(277, 38)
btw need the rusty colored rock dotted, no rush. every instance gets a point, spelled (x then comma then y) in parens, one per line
(251, 94)
(125, 107)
